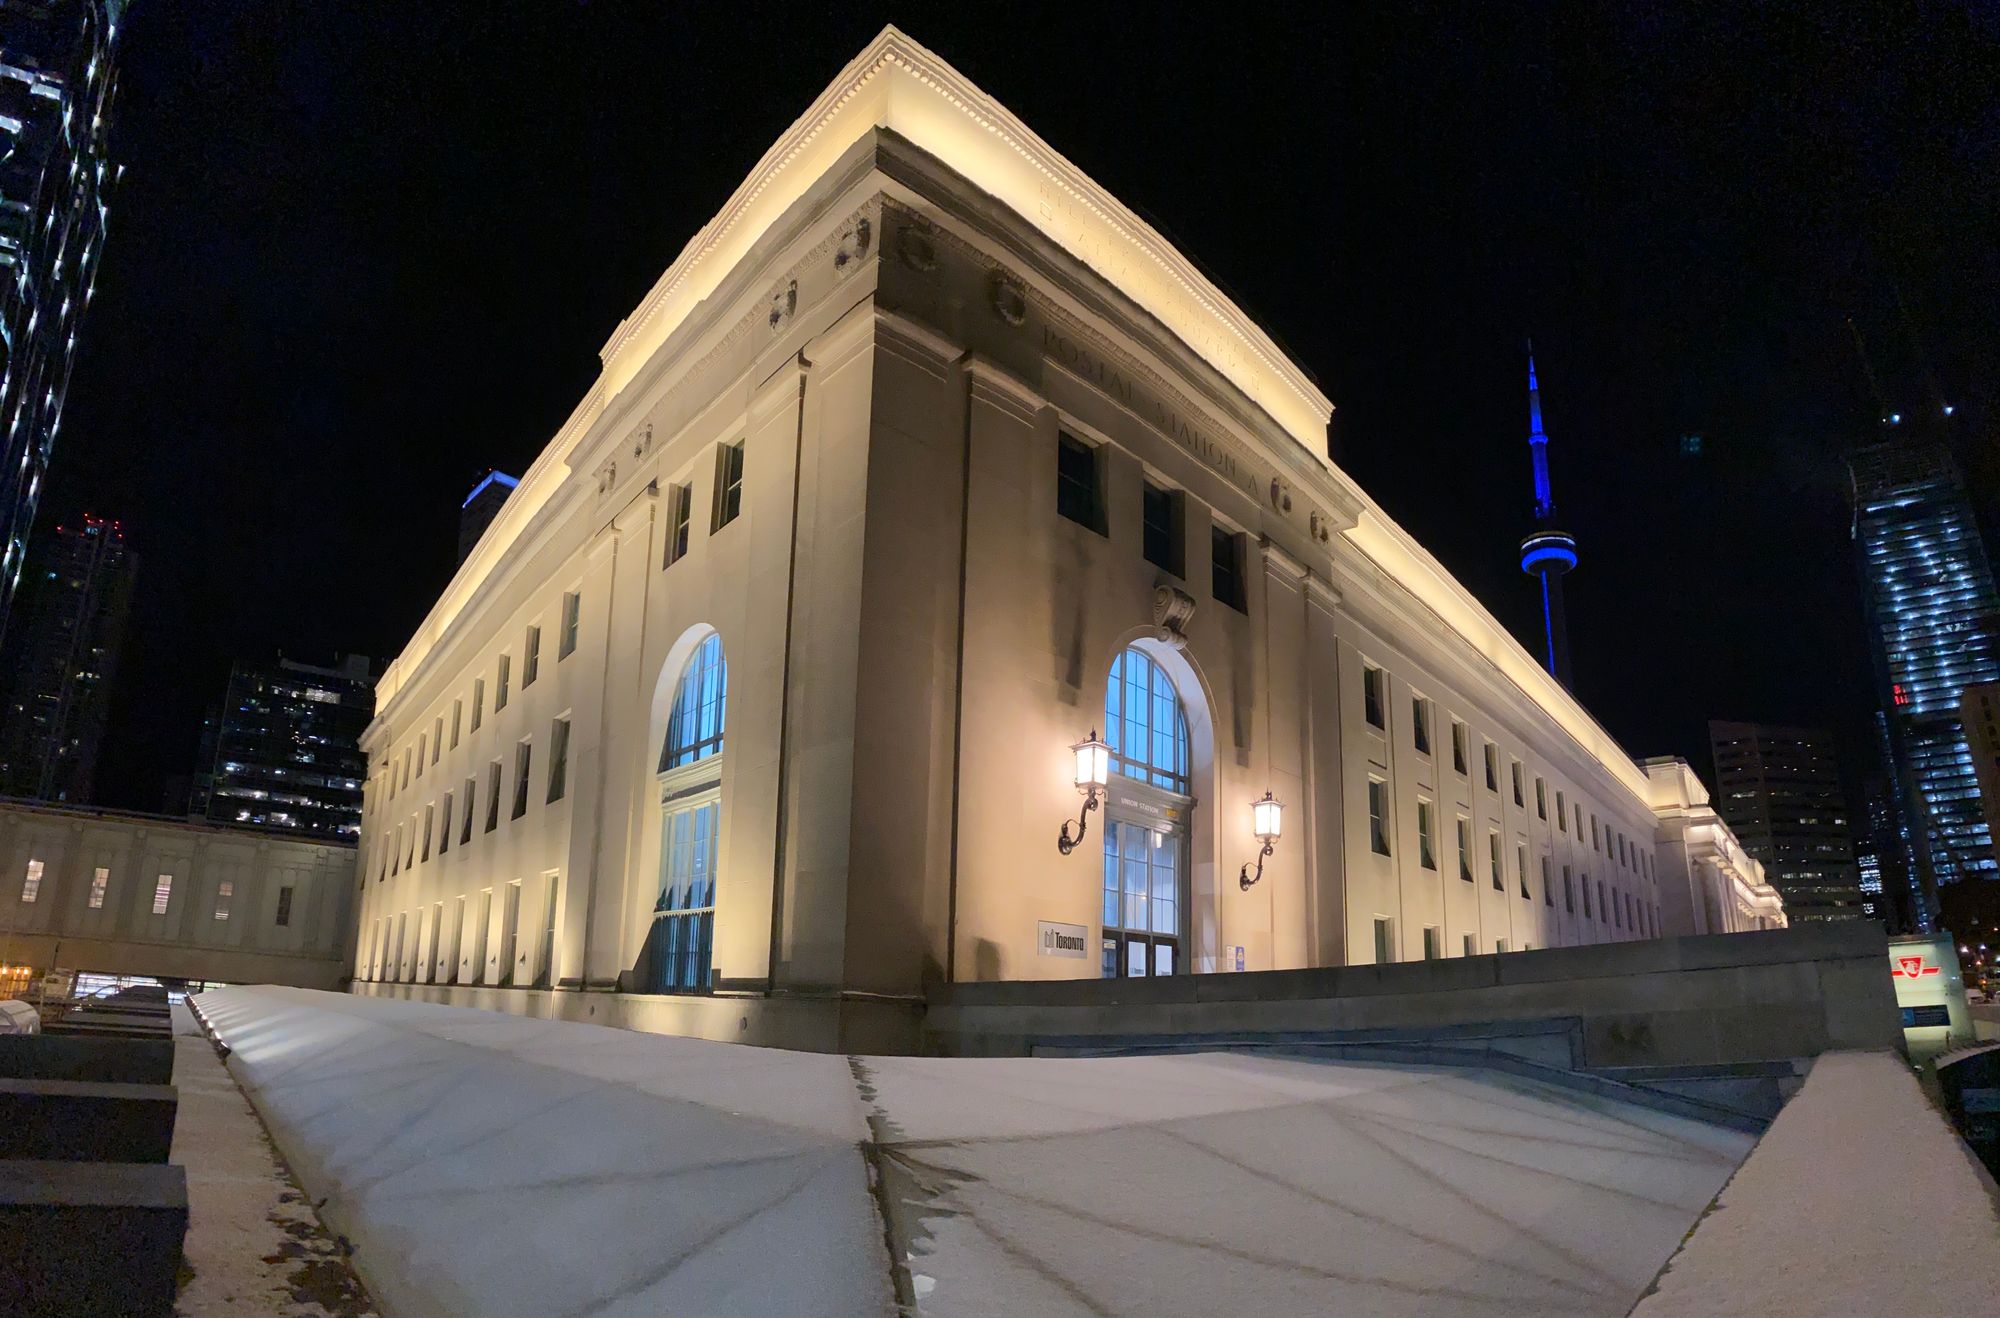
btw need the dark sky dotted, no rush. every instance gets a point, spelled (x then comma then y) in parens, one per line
(362, 252)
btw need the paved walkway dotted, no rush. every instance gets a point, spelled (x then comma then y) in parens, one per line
(253, 1246)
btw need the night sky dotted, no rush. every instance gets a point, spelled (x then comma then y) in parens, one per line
(361, 253)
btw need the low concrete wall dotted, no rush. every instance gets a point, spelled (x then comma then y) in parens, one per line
(138, 958)
(1708, 1000)
(809, 1024)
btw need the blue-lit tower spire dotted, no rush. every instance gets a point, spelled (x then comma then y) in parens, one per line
(1547, 552)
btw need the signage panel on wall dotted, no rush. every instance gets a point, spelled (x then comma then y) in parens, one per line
(1054, 939)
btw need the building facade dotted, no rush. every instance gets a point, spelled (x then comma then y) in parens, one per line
(1931, 604)
(284, 749)
(107, 892)
(480, 508)
(1780, 791)
(928, 473)
(57, 82)
(59, 661)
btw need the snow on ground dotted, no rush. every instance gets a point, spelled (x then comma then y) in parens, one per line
(253, 1246)
(495, 1164)
(1859, 1199)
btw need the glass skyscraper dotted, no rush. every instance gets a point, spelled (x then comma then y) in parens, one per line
(1932, 608)
(56, 87)
(284, 749)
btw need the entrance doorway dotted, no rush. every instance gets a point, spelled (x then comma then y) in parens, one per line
(1146, 812)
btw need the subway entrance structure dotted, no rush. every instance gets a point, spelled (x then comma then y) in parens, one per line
(944, 581)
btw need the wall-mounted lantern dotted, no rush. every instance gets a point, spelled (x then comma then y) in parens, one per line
(1267, 819)
(1093, 771)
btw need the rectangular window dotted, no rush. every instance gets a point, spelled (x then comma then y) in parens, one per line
(100, 880)
(1492, 767)
(558, 758)
(1562, 811)
(444, 826)
(493, 771)
(1521, 867)
(531, 657)
(31, 886)
(223, 892)
(1420, 724)
(1385, 940)
(396, 856)
(465, 829)
(1586, 897)
(1226, 579)
(1371, 695)
(500, 683)
(478, 700)
(1617, 915)
(1469, 949)
(1548, 896)
(680, 512)
(423, 744)
(1493, 858)
(430, 818)
(522, 756)
(572, 613)
(457, 709)
(1515, 769)
(728, 485)
(163, 889)
(1378, 816)
(1433, 943)
(1426, 848)
(1593, 833)
(1500, 946)
(1569, 892)
(284, 905)
(1602, 913)
(1458, 747)
(1465, 848)
(1541, 799)
(1079, 483)
(1160, 513)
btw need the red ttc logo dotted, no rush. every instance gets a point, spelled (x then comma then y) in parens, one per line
(1912, 967)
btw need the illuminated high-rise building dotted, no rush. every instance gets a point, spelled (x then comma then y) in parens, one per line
(1928, 590)
(481, 507)
(1547, 552)
(283, 751)
(56, 87)
(1779, 788)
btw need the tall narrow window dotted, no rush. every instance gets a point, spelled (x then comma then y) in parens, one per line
(522, 756)
(100, 880)
(31, 886)
(680, 513)
(500, 684)
(1521, 867)
(1226, 582)
(1426, 847)
(694, 728)
(1420, 724)
(465, 829)
(1493, 858)
(284, 906)
(1548, 895)
(1562, 809)
(437, 738)
(444, 825)
(1470, 950)
(478, 700)
(1492, 767)
(1569, 892)
(1458, 736)
(572, 613)
(1586, 897)
(1371, 695)
(1433, 943)
(1385, 940)
(728, 485)
(1541, 799)
(1080, 483)
(558, 758)
(423, 744)
(1161, 516)
(1465, 849)
(457, 710)
(223, 892)
(493, 771)
(1603, 916)
(1378, 816)
(163, 891)
(531, 657)
(430, 817)
(1514, 767)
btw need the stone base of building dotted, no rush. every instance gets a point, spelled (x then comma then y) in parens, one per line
(827, 1023)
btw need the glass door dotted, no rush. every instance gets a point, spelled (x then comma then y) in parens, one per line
(684, 916)
(1144, 866)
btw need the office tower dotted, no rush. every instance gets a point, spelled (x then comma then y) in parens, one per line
(480, 508)
(1779, 789)
(1929, 595)
(1547, 552)
(56, 86)
(59, 661)
(283, 751)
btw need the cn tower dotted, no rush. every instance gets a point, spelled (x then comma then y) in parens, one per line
(1548, 552)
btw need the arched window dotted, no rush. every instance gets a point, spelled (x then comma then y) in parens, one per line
(1144, 724)
(694, 728)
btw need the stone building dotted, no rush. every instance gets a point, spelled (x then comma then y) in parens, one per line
(928, 461)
